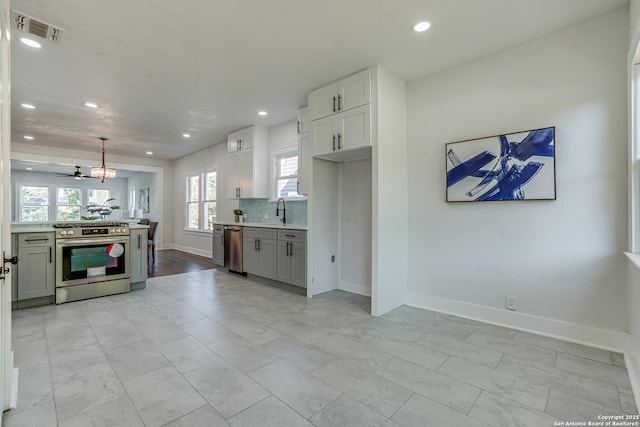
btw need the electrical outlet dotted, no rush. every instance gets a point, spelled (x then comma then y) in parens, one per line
(510, 302)
(266, 216)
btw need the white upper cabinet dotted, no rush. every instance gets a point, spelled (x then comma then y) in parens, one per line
(241, 140)
(341, 132)
(343, 95)
(354, 91)
(248, 165)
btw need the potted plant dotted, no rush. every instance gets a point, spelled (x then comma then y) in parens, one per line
(237, 213)
(100, 210)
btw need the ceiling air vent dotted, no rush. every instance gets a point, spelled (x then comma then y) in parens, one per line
(31, 25)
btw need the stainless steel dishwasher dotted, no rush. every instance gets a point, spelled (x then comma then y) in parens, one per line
(233, 248)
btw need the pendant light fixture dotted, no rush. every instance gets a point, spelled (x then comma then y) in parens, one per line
(103, 172)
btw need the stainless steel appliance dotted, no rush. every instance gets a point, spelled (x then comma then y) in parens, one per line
(92, 260)
(233, 248)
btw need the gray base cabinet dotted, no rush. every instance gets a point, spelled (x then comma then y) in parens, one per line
(218, 244)
(292, 257)
(259, 251)
(139, 256)
(36, 275)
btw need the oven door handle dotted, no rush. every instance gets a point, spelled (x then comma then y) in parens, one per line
(90, 241)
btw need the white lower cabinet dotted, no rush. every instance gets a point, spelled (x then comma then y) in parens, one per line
(275, 254)
(292, 257)
(218, 244)
(139, 255)
(36, 256)
(259, 251)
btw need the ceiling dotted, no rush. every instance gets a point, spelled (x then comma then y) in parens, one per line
(159, 69)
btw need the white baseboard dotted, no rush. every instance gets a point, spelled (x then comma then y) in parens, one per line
(195, 251)
(355, 288)
(573, 332)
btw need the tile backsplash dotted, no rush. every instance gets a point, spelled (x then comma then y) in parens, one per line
(257, 208)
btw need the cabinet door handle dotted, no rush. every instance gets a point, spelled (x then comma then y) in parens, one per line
(339, 141)
(287, 248)
(334, 104)
(239, 144)
(50, 256)
(334, 143)
(255, 245)
(339, 102)
(289, 235)
(291, 250)
(259, 245)
(139, 241)
(298, 126)
(39, 239)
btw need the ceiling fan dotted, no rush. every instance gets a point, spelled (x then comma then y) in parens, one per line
(77, 174)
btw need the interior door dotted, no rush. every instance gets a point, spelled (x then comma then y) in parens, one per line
(6, 368)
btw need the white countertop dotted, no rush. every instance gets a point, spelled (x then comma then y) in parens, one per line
(44, 227)
(263, 225)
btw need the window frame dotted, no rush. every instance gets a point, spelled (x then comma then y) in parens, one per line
(204, 219)
(202, 200)
(52, 189)
(21, 203)
(58, 205)
(277, 155)
(189, 202)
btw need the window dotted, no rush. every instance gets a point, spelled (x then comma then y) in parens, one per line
(209, 200)
(287, 175)
(68, 204)
(201, 201)
(193, 202)
(98, 196)
(34, 203)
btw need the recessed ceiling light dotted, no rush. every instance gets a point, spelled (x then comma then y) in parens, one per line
(262, 113)
(28, 106)
(30, 43)
(29, 169)
(186, 135)
(421, 26)
(91, 105)
(150, 153)
(29, 137)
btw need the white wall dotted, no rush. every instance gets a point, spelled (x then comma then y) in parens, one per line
(632, 358)
(355, 227)
(562, 259)
(145, 180)
(213, 158)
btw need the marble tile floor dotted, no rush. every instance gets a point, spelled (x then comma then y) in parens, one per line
(208, 348)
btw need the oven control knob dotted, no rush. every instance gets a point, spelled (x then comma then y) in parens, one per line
(113, 230)
(63, 232)
(70, 232)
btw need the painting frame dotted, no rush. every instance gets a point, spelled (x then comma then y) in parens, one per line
(515, 166)
(143, 199)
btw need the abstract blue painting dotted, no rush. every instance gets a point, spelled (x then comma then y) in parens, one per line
(514, 166)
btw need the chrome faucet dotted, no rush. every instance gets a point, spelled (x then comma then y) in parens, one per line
(284, 210)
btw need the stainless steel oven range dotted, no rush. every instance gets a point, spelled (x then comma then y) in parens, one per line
(92, 260)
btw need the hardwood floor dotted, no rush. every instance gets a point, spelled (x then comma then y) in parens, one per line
(171, 261)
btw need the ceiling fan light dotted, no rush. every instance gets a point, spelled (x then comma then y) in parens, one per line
(103, 173)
